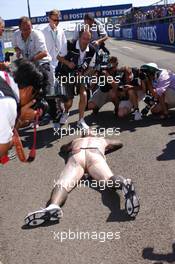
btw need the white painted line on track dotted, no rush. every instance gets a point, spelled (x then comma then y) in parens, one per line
(114, 48)
(129, 48)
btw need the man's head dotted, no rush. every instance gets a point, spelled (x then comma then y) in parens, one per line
(25, 26)
(54, 16)
(89, 19)
(114, 63)
(30, 80)
(2, 26)
(84, 39)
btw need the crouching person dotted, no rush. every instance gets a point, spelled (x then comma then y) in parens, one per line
(17, 96)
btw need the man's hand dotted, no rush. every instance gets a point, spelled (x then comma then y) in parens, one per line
(4, 66)
(27, 114)
(106, 73)
(18, 52)
(71, 65)
(112, 145)
(4, 149)
(96, 43)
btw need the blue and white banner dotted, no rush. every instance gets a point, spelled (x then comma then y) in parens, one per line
(78, 14)
(158, 32)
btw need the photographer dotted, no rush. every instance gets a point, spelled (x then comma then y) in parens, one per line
(75, 64)
(17, 96)
(161, 84)
(131, 90)
(97, 29)
(106, 91)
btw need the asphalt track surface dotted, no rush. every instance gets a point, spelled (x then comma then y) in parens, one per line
(147, 157)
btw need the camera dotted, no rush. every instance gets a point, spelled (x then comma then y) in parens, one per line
(150, 101)
(41, 104)
(121, 81)
(143, 75)
(82, 67)
(102, 61)
(8, 54)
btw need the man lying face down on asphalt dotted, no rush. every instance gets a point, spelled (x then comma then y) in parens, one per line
(86, 155)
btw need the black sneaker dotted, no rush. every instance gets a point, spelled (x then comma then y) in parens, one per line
(132, 204)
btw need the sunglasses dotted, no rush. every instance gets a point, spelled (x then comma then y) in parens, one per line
(55, 20)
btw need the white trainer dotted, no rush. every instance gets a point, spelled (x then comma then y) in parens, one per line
(64, 118)
(137, 115)
(51, 213)
(82, 124)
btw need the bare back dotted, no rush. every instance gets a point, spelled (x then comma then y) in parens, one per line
(89, 142)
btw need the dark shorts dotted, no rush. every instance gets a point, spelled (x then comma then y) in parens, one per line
(69, 90)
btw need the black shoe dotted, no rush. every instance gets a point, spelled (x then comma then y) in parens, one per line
(132, 204)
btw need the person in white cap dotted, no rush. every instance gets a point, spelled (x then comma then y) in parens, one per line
(162, 86)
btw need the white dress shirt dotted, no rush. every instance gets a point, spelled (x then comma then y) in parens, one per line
(56, 42)
(32, 46)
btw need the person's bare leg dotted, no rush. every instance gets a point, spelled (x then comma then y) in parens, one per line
(92, 106)
(101, 171)
(58, 195)
(114, 97)
(82, 102)
(133, 98)
(68, 105)
(123, 111)
(69, 178)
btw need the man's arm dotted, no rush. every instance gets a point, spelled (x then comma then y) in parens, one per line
(66, 148)
(100, 41)
(40, 45)
(4, 148)
(163, 104)
(112, 145)
(69, 64)
(40, 55)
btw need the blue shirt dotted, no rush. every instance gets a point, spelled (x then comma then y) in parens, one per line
(1, 52)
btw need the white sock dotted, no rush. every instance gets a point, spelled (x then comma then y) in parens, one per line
(52, 206)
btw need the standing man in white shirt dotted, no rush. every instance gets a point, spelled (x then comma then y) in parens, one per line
(30, 44)
(56, 42)
(55, 38)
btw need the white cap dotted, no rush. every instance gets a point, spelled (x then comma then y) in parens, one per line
(151, 66)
